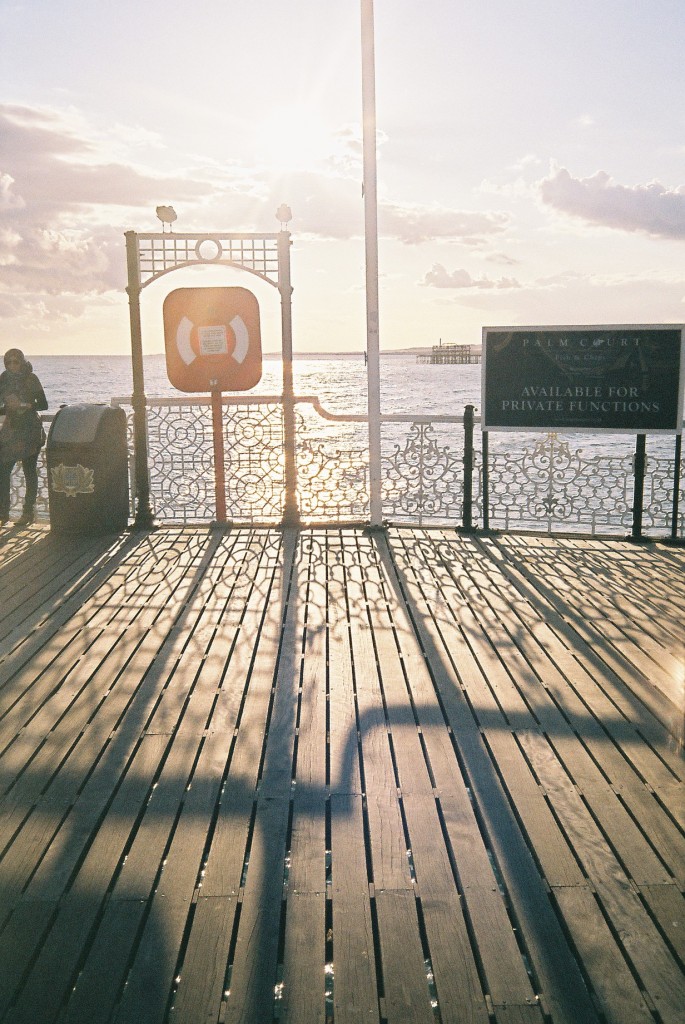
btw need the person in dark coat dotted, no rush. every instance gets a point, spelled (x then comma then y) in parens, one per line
(21, 435)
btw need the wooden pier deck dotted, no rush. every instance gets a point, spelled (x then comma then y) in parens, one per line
(334, 775)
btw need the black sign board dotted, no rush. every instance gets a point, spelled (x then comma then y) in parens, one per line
(623, 379)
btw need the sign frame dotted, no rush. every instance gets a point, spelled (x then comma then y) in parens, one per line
(595, 389)
(199, 357)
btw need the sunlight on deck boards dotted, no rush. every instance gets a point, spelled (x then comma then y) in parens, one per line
(339, 775)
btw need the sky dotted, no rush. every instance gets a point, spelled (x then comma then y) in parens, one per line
(531, 162)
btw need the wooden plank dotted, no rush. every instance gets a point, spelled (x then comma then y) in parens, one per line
(585, 770)
(344, 747)
(105, 850)
(439, 655)
(39, 679)
(582, 574)
(254, 973)
(250, 673)
(628, 633)
(203, 975)
(103, 974)
(304, 954)
(21, 935)
(355, 999)
(158, 951)
(388, 843)
(254, 976)
(500, 627)
(54, 972)
(404, 675)
(502, 962)
(135, 698)
(667, 905)
(171, 899)
(91, 884)
(50, 807)
(445, 646)
(307, 873)
(612, 982)
(548, 667)
(170, 904)
(304, 959)
(149, 979)
(593, 649)
(526, 1013)
(48, 586)
(458, 992)
(649, 956)
(406, 996)
(355, 995)
(392, 880)
(204, 968)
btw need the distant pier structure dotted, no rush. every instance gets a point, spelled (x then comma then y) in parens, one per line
(443, 354)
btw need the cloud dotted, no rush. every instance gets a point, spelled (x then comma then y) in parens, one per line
(439, 277)
(502, 258)
(652, 209)
(331, 206)
(62, 209)
(68, 192)
(53, 166)
(415, 224)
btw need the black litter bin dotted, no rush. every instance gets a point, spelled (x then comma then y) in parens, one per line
(88, 470)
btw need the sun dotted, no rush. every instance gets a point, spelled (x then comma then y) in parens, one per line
(292, 137)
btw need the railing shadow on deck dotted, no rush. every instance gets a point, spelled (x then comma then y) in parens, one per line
(40, 982)
(562, 981)
(580, 613)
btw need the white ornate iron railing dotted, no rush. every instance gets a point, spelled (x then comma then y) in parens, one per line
(543, 482)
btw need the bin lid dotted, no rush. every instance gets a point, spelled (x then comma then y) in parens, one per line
(77, 424)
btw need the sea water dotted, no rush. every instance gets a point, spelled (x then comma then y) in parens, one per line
(339, 382)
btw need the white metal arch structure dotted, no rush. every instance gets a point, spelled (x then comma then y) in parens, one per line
(151, 255)
(160, 253)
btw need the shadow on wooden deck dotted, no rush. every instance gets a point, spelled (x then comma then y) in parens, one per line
(333, 775)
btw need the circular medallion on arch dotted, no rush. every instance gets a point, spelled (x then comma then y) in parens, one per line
(208, 250)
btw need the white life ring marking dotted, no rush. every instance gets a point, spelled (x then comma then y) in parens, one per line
(185, 349)
(242, 338)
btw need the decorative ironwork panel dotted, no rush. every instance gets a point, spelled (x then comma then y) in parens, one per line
(541, 484)
(423, 472)
(550, 484)
(181, 462)
(181, 453)
(254, 460)
(658, 493)
(332, 467)
(159, 253)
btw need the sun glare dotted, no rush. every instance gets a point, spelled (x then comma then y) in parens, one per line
(292, 138)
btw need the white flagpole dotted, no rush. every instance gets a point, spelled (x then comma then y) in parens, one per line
(371, 241)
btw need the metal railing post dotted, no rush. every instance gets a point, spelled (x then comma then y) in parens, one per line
(143, 519)
(219, 456)
(676, 486)
(467, 511)
(371, 251)
(639, 488)
(486, 480)
(291, 512)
